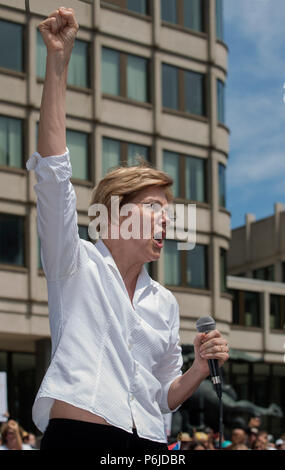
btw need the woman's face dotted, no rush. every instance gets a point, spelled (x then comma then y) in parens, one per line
(148, 222)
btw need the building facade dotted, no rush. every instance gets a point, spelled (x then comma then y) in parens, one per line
(147, 78)
(256, 267)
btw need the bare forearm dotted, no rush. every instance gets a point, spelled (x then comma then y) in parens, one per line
(52, 125)
(184, 386)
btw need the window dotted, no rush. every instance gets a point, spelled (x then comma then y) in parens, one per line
(185, 268)
(83, 233)
(116, 152)
(137, 6)
(11, 142)
(172, 263)
(277, 312)
(222, 185)
(189, 175)
(219, 20)
(197, 275)
(79, 66)
(223, 270)
(78, 145)
(11, 35)
(187, 13)
(12, 239)
(246, 308)
(221, 101)
(21, 385)
(125, 75)
(183, 90)
(283, 271)
(265, 274)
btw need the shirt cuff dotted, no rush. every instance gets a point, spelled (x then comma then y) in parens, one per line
(164, 398)
(54, 167)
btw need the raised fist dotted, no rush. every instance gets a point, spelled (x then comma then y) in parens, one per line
(59, 31)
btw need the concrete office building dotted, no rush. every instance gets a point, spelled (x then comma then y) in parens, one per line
(256, 268)
(148, 78)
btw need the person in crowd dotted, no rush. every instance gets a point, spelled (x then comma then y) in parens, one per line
(239, 446)
(280, 444)
(198, 445)
(116, 359)
(12, 437)
(252, 435)
(238, 436)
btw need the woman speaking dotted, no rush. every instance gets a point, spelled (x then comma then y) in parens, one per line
(116, 360)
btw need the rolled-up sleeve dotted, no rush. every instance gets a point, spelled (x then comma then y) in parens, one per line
(61, 250)
(169, 368)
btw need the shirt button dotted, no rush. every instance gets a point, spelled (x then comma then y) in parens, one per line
(129, 345)
(131, 397)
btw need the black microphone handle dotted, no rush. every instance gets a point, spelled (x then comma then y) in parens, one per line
(215, 376)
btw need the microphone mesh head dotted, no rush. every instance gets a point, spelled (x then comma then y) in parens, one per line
(205, 324)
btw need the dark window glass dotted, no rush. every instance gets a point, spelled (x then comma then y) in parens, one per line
(219, 20)
(169, 86)
(11, 141)
(78, 145)
(197, 267)
(169, 11)
(265, 274)
(195, 179)
(252, 308)
(22, 387)
(172, 263)
(194, 93)
(12, 239)
(83, 232)
(138, 6)
(79, 65)
(125, 75)
(246, 308)
(137, 84)
(277, 312)
(283, 271)
(221, 101)
(222, 185)
(187, 13)
(11, 46)
(193, 14)
(188, 173)
(223, 270)
(183, 90)
(116, 152)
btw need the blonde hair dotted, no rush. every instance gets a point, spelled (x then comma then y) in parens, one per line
(126, 182)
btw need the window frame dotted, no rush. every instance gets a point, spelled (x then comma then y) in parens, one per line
(23, 142)
(181, 95)
(25, 245)
(123, 85)
(239, 297)
(183, 270)
(123, 160)
(182, 177)
(180, 15)
(123, 5)
(281, 312)
(24, 51)
(89, 179)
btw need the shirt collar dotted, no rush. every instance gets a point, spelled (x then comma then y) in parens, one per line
(144, 280)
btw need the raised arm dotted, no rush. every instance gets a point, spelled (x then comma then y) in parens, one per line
(62, 253)
(58, 31)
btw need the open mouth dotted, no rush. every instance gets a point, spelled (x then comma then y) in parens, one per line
(158, 239)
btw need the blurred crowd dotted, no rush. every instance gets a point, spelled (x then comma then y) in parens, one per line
(250, 437)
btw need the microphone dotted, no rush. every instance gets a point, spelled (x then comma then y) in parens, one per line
(204, 325)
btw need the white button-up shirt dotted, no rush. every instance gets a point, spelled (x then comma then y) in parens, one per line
(109, 357)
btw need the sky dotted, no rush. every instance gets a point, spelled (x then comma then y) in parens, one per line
(255, 106)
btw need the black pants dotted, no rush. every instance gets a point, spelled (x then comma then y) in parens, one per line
(73, 434)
